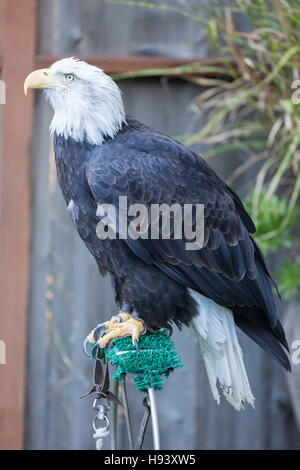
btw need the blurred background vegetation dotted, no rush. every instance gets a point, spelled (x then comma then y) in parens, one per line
(249, 108)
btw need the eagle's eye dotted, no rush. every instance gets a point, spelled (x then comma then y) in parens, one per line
(69, 77)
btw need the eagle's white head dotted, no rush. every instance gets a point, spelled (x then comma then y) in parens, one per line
(87, 103)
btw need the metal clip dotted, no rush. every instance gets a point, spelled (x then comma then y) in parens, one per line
(100, 431)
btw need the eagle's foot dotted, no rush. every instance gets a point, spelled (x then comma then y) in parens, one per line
(118, 326)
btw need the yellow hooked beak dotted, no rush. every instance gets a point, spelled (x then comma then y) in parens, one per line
(42, 78)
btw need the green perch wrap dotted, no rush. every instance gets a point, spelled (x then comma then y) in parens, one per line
(157, 357)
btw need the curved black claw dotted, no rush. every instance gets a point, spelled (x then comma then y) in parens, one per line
(170, 330)
(136, 345)
(94, 351)
(97, 332)
(85, 347)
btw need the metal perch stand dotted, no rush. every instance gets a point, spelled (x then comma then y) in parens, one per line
(156, 358)
(150, 409)
(154, 418)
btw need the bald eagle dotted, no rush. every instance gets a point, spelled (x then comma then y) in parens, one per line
(223, 287)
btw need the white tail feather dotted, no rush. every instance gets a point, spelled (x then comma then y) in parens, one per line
(215, 329)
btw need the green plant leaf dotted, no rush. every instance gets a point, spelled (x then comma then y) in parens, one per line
(273, 230)
(289, 279)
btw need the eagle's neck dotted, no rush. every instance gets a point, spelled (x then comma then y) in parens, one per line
(88, 119)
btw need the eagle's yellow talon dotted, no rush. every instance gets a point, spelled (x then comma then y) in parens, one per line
(129, 326)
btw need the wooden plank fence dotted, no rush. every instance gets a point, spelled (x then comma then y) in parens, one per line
(67, 297)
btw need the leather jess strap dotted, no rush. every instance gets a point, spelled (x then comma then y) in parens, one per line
(102, 382)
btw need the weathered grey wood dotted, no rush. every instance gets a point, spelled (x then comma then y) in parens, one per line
(101, 28)
(78, 298)
(38, 325)
(291, 322)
